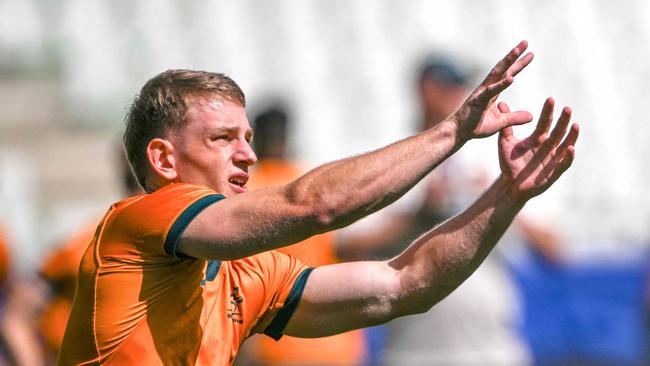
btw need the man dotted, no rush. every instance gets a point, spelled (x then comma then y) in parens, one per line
(197, 274)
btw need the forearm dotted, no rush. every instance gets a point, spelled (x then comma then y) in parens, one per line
(438, 262)
(346, 190)
(351, 295)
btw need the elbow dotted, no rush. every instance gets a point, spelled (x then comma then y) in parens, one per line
(325, 219)
(315, 207)
(417, 294)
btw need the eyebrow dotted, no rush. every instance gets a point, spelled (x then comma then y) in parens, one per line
(223, 129)
(229, 130)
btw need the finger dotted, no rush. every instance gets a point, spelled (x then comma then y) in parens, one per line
(560, 127)
(514, 118)
(495, 89)
(564, 163)
(545, 118)
(556, 166)
(506, 133)
(520, 64)
(504, 64)
(518, 117)
(570, 139)
(568, 158)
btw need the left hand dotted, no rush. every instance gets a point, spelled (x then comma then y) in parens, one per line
(531, 165)
(479, 116)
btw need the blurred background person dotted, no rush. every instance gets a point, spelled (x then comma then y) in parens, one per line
(275, 166)
(19, 342)
(4, 266)
(5, 355)
(61, 267)
(478, 324)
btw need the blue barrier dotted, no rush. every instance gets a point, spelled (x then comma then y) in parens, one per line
(584, 314)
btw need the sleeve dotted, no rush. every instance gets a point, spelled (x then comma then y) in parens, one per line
(279, 322)
(150, 226)
(283, 281)
(184, 219)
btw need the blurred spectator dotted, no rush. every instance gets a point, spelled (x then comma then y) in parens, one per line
(4, 264)
(60, 270)
(478, 323)
(19, 344)
(273, 168)
(4, 272)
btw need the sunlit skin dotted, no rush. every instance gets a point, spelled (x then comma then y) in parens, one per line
(213, 148)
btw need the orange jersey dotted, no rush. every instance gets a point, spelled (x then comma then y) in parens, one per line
(140, 302)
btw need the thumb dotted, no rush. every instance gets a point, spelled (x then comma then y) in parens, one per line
(505, 133)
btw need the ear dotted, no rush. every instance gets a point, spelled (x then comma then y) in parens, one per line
(160, 153)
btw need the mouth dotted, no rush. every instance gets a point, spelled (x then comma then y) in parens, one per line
(238, 182)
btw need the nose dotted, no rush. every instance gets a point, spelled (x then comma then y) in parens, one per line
(244, 153)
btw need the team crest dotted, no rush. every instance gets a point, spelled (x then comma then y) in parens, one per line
(233, 312)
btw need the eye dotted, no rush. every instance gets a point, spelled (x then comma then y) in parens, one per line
(220, 137)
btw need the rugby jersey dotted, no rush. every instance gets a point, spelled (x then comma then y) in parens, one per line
(138, 301)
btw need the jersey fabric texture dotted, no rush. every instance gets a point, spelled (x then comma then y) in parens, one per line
(138, 301)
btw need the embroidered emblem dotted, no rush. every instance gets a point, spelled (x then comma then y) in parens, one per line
(233, 312)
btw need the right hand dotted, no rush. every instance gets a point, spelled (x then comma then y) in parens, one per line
(534, 163)
(479, 116)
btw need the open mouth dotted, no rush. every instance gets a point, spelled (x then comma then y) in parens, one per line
(238, 181)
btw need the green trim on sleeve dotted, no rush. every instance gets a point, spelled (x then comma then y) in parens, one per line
(275, 329)
(184, 220)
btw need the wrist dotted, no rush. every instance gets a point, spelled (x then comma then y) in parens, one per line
(463, 135)
(452, 128)
(507, 189)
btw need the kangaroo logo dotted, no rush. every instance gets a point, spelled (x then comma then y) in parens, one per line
(233, 312)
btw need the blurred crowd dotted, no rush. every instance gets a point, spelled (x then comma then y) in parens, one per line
(526, 304)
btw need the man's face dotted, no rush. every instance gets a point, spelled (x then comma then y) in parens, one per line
(213, 148)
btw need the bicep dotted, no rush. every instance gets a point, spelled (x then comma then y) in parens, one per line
(341, 297)
(244, 225)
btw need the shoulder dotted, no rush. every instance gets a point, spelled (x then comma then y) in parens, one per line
(157, 218)
(171, 199)
(178, 192)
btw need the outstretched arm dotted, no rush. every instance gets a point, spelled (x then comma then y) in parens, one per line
(339, 193)
(346, 296)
